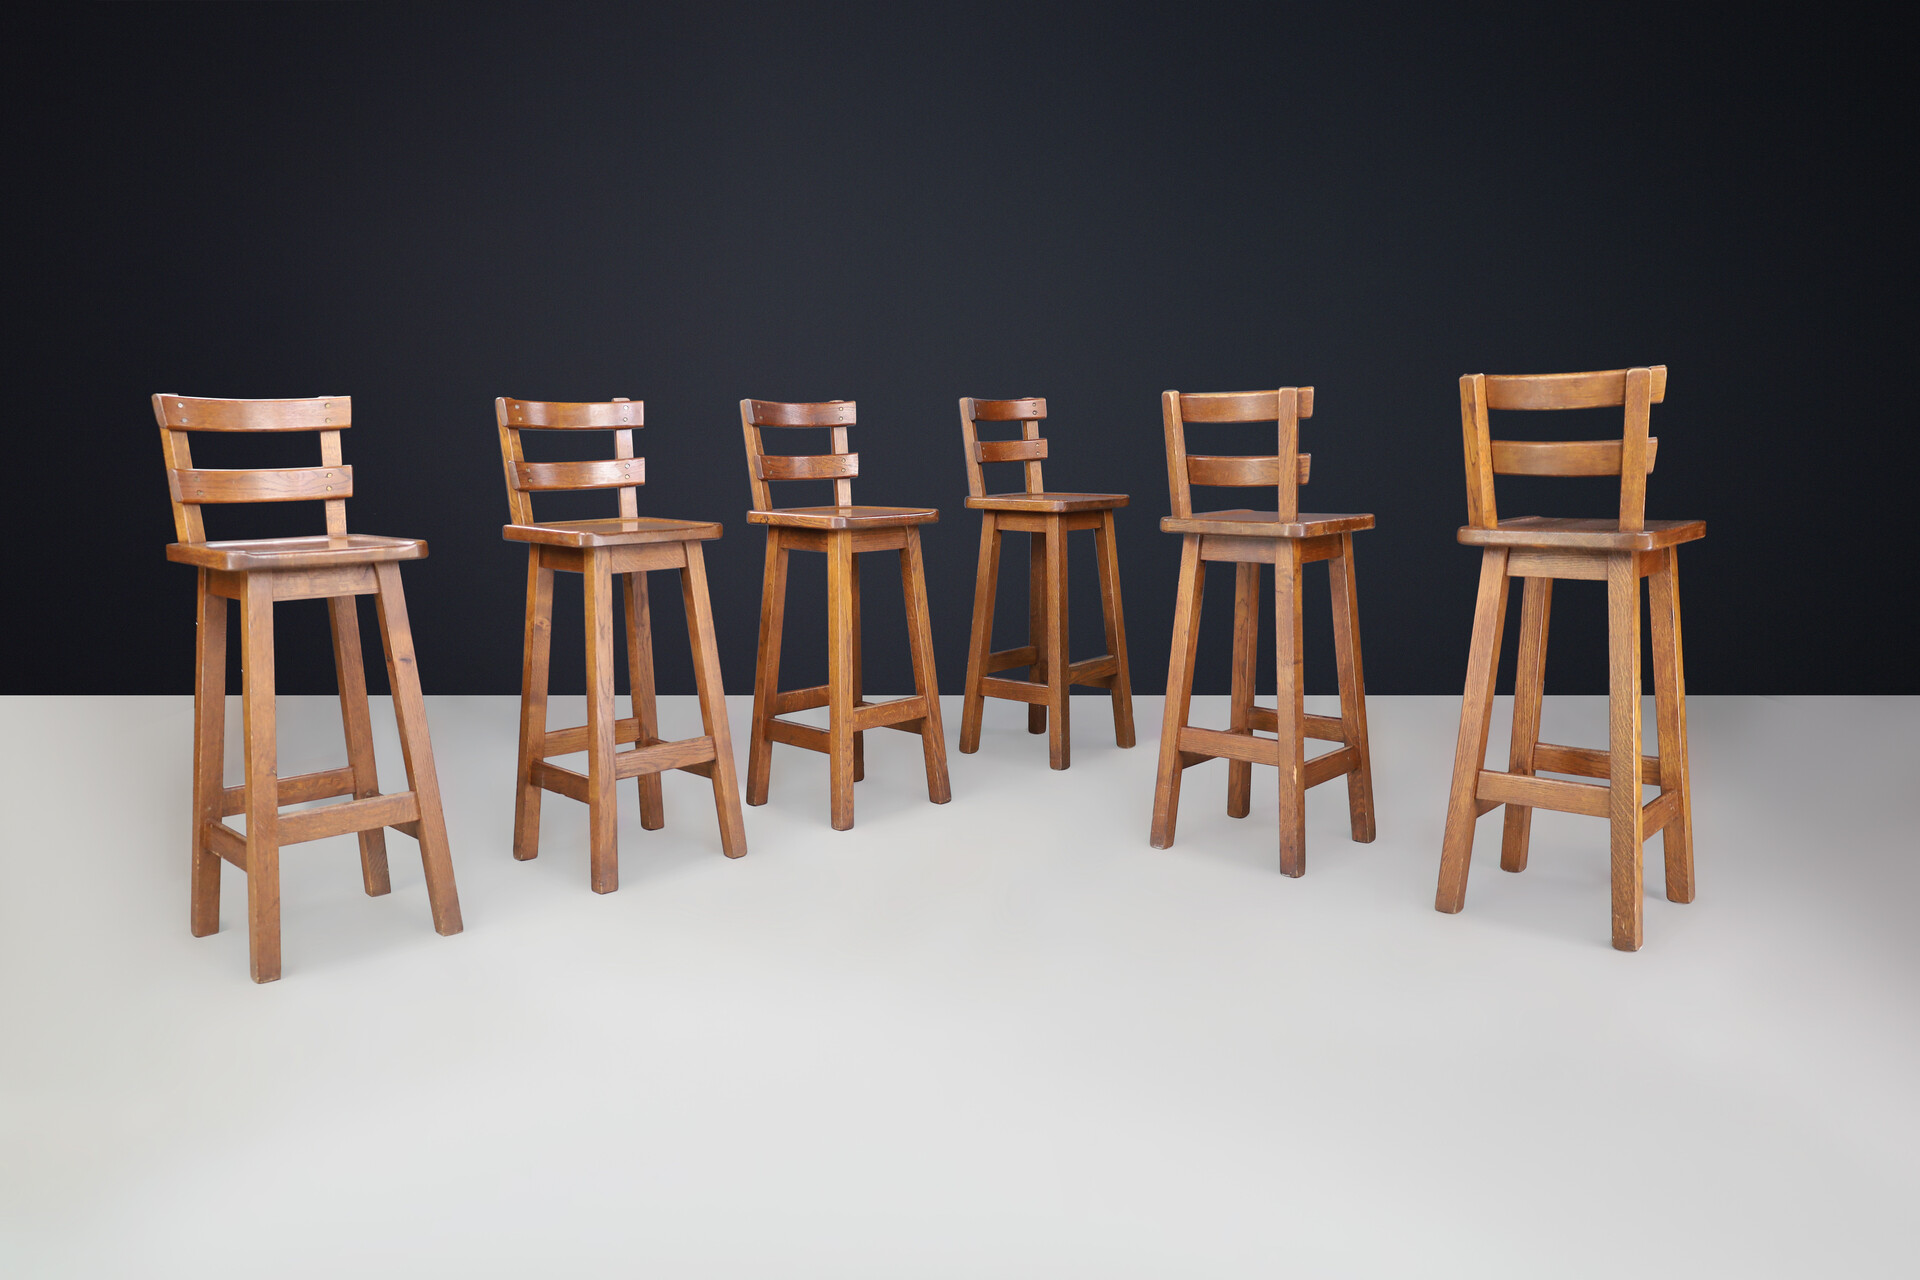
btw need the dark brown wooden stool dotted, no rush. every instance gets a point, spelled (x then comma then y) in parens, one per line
(258, 573)
(627, 547)
(1048, 518)
(1540, 549)
(843, 531)
(1288, 540)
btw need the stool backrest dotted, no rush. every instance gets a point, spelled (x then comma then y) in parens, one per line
(836, 465)
(1028, 449)
(330, 482)
(1630, 457)
(1285, 469)
(623, 471)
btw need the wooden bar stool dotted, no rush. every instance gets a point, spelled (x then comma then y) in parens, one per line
(258, 573)
(1048, 518)
(1540, 549)
(627, 547)
(1287, 540)
(843, 531)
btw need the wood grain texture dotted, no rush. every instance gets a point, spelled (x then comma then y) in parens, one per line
(209, 754)
(1476, 717)
(1290, 683)
(1623, 721)
(603, 848)
(1561, 457)
(640, 692)
(556, 415)
(1179, 699)
(1234, 471)
(349, 664)
(1536, 602)
(809, 466)
(1569, 390)
(713, 703)
(1670, 708)
(1114, 621)
(297, 484)
(766, 678)
(773, 413)
(1027, 410)
(840, 570)
(1342, 581)
(536, 650)
(263, 798)
(1011, 450)
(980, 640)
(1059, 712)
(1241, 523)
(1246, 643)
(933, 741)
(571, 477)
(196, 413)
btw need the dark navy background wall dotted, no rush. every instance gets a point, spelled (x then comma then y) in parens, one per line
(424, 208)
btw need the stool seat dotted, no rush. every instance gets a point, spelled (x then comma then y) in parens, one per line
(317, 552)
(1265, 524)
(1563, 534)
(1048, 503)
(848, 517)
(613, 531)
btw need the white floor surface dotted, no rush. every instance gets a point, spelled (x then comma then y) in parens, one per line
(1000, 1038)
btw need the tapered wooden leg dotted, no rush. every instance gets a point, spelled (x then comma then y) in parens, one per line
(1476, 714)
(1246, 635)
(1353, 689)
(349, 667)
(859, 693)
(263, 785)
(840, 697)
(535, 651)
(653, 813)
(1536, 602)
(416, 749)
(986, 582)
(766, 673)
(933, 734)
(1186, 638)
(1037, 624)
(1290, 710)
(1670, 710)
(209, 753)
(1060, 722)
(1623, 719)
(713, 700)
(603, 840)
(1116, 625)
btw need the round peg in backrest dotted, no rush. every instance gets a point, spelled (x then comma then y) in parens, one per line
(1029, 409)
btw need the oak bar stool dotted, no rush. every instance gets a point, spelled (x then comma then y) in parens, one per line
(843, 531)
(1048, 518)
(628, 547)
(1539, 549)
(1288, 540)
(335, 567)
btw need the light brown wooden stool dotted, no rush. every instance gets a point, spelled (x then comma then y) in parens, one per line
(1288, 540)
(257, 573)
(843, 531)
(1540, 549)
(1048, 518)
(628, 547)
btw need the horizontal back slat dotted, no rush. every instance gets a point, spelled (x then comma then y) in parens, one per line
(1240, 472)
(191, 413)
(1012, 450)
(811, 466)
(1562, 457)
(1239, 406)
(305, 484)
(612, 473)
(828, 413)
(1034, 407)
(557, 415)
(1567, 390)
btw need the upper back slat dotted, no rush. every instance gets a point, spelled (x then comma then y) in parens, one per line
(1239, 406)
(557, 415)
(774, 413)
(195, 413)
(1009, 410)
(1567, 390)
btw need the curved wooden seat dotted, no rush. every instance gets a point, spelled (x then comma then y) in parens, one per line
(318, 552)
(614, 531)
(1554, 533)
(847, 517)
(1265, 524)
(1048, 503)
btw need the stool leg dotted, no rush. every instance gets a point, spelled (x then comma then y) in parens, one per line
(840, 698)
(1536, 602)
(653, 815)
(1353, 689)
(1116, 624)
(1037, 625)
(603, 840)
(533, 706)
(766, 673)
(986, 581)
(416, 749)
(713, 700)
(209, 753)
(1670, 709)
(1290, 709)
(1059, 688)
(859, 738)
(933, 734)
(1186, 638)
(1623, 718)
(349, 666)
(263, 784)
(1476, 715)
(1246, 638)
